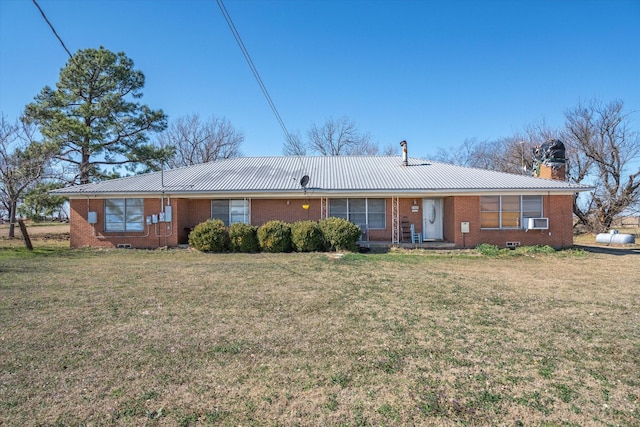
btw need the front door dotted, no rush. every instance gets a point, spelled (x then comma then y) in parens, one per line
(432, 219)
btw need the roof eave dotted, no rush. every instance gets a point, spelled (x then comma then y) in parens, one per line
(314, 193)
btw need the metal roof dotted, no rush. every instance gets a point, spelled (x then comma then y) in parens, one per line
(267, 176)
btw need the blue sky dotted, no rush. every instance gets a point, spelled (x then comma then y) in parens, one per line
(431, 72)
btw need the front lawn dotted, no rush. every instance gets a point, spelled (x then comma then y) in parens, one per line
(177, 337)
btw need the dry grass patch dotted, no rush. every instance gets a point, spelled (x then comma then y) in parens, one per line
(123, 337)
(43, 235)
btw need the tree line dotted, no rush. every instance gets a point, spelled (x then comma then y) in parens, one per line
(602, 151)
(92, 126)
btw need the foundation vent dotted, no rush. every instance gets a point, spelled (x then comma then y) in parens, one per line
(124, 246)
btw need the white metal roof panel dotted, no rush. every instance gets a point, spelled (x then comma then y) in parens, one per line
(378, 174)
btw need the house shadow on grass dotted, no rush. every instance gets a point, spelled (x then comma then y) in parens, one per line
(609, 250)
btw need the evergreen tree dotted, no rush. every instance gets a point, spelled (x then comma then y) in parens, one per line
(93, 119)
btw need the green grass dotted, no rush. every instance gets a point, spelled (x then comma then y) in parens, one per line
(127, 337)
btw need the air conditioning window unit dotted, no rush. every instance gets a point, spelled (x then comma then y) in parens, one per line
(538, 223)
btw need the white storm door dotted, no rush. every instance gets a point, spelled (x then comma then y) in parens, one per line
(432, 219)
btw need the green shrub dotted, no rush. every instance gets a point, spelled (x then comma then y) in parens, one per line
(537, 249)
(340, 234)
(210, 236)
(275, 236)
(306, 236)
(493, 250)
(488, 250)
(243, 238)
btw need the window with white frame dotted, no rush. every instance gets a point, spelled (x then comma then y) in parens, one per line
(509, 211)
(230, 211)
(368, 212)
(124, 214)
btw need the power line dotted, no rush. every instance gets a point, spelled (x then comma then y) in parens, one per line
(254, 70)
(52, 29)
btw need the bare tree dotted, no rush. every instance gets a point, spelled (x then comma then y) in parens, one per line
(195, 141)
(294, 146)
(339, 137)
(601, 150)
(8, 138)
(604, 149)
(461, 155)
(335, 137)
(511, 154)
(389, 150)
(22, 164)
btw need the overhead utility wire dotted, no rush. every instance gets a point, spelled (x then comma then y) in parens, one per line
(52, 29)
(254, 70)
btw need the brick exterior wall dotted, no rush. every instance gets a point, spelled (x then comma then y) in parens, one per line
(187, 213)
(84, 234)
(287, 210)
(451, 218)
(559, 210)
(193, 212)
(406, 215)
(558, 173)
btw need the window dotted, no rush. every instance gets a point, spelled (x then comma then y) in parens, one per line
(490, 212)
(124, 214)
(357, 211)
(508, 211)
(531, 208)
(230, 211)
(376, 212)
(369, 212)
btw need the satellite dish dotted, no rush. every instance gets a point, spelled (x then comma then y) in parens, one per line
(304, 181)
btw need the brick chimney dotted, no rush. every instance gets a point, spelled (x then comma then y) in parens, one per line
(557, 171)
(549, 160)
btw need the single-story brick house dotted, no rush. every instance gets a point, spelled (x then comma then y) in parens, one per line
(385, 195)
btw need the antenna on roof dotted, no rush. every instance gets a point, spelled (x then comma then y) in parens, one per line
(303, 182)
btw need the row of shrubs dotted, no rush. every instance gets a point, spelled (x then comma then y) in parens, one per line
(275, 236)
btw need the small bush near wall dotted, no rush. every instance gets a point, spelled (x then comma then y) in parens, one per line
(243, 238)
(488, 250)
(210, 236)
(306, 236)
(340, 234)
(275, 236)
(494, 251)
